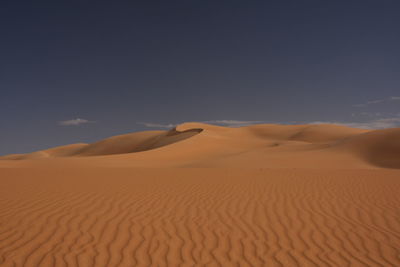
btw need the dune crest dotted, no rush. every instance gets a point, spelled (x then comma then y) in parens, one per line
(265, 145)
(121, 144)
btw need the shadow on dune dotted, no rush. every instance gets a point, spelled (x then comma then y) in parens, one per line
(380, 147)
(121, 144)
(136, 142)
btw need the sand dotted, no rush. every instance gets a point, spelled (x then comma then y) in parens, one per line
(203, 195)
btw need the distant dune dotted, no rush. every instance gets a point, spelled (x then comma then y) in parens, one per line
(267, 145)
(206, 195)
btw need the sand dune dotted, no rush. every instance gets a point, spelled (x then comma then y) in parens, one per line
(268, 145)
(61, 151)
(204, 195)
(127, 143)
(381, 147)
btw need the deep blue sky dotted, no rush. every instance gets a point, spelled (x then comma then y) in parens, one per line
(117, 63)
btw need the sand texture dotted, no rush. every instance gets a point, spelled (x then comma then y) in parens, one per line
(203, 195)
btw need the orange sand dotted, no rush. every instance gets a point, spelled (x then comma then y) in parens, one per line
(202, 195)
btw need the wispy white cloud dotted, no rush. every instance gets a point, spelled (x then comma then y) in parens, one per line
(377, 101)
(371, 123)
(157, 125)
(233, 123)
(74, 122)
(382, 123)
(229, 123)
(366, 114)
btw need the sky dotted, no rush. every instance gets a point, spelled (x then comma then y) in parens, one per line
(79, 71)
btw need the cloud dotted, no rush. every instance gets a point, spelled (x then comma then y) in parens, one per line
(382, 123)
(372, 123)
(366, 114)
(229, 123)
(157, 125)
(233, 123)
(377, 101)
(74, 122)
(372, 102)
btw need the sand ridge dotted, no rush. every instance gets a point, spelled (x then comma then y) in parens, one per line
(266, 145)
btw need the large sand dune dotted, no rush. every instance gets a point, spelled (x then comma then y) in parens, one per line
(204, 195)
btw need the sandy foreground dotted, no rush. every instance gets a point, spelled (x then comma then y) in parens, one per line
(201, 195)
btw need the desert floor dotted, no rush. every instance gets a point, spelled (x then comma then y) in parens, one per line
(216, 197)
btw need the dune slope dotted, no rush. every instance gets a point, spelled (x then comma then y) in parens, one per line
(135, 142)
(380, 148)
(268, 146)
